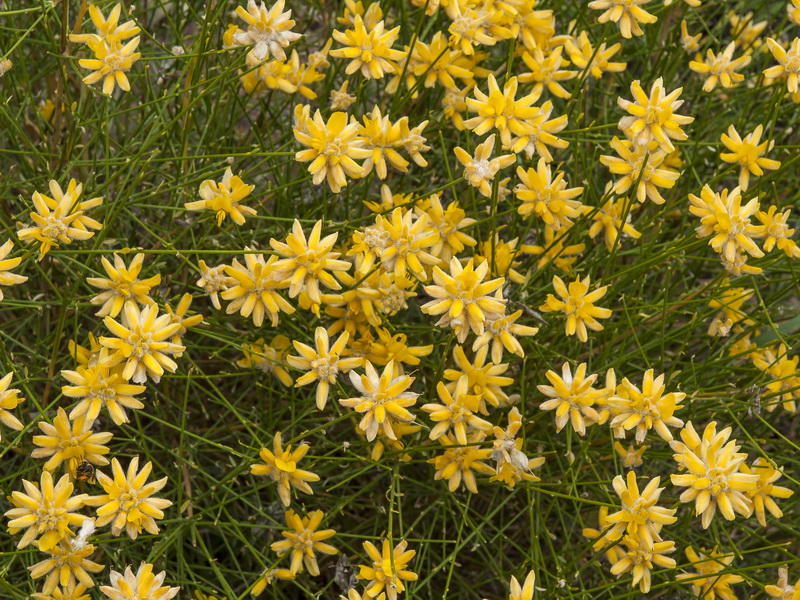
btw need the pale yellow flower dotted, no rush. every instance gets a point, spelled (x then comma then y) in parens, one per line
(122, 285)
(389, 570)
(142, 585)
(303, 541)
(653, 117)
(305, 263)
(141, 343)
(127, 504)
(577, 304)
(322, 363)
(480, 169)
(45, 512)
(464, 298)
(9, 400)
(7, 278)
(70, 442)
(268, 31)
(280, 465)
(224, 198)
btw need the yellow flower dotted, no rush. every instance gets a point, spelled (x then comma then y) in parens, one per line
(648, 408)
(437, 63)
(406, 242)
(501, 333)
(213, 280)
(542, 133)
(457, 411)
(777, 232)
(783, 590)
(720, 68)
(458, 464)
(270, 75)
(9, 400)
(631, 456)
(595, 61)
(608, 221)
(480, 27)
(524, 592)
(548, 198)
(140, 343)
(394, 347)
(730, 302)
(268, 31)
(303, 540)
(45, 512)
(380, 136)
(371, 17)
(269, 358)
(60, 218)
(128, 504)
(727, 222)
(73, 592)
(545, 71)
(785, 379)
(281, 466)
(690, 43)
(714, 479)
(653, 117)
(614, 552)
(385, 400)
(572, 397)
(112, 58)
(766, 490)
(340, 99)
(123, 285)
(67, 565)
(552, 249)
(577, 304)
(268, 577)
(178, 316)
(6, 264)
(71, 442)
(793, 11)
(639, 559)
(449, 222)
(479, 171)
(639, 516)
(485, 380)
(224, 198)
(368, 50)
(625, 13)
(512, 465)
(748, 154)
(254, 289)
(640, 166)
(464, 298)
(332, 148)
(389, 569)
(322, 363)
(110, 63)
(708, 582)
(97, 386)
(502, 111)
(142, 585)
(788, 63)
(305, 262)
(108, 30)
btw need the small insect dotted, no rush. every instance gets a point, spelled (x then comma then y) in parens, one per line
(85, 472)
(344, 577)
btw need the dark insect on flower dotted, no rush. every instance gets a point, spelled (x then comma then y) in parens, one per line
(85, 472)
(345, 578)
